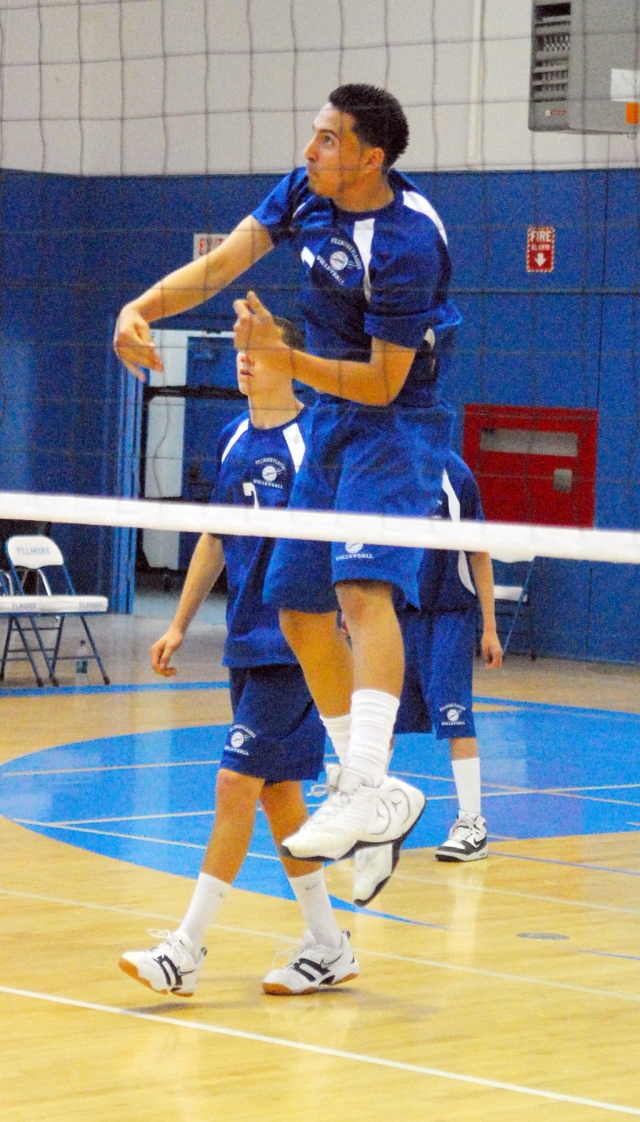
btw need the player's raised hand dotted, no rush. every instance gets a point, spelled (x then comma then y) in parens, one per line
(255, 328)
(134, 345)
(162, 651)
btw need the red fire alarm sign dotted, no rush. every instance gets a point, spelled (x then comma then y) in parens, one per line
(541, 249)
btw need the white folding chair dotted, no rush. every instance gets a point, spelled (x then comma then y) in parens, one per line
(42, 614)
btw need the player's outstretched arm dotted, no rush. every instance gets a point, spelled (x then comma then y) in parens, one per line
(183, 289)
(204, 569)
(483, 577)
(376, 382)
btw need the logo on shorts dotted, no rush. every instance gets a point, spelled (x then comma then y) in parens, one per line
(453, 714)
(238, 736)
(353, 551)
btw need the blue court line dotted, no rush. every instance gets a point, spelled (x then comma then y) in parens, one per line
(347, 905)
(607, 954)
(568, 864)
(142, 687)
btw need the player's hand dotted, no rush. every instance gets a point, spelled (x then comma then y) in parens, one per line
(134, 345)
(255, 328)
(162, 651)
(491, 650)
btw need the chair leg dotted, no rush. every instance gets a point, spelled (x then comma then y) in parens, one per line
(56, 647)
(105, 678)
(5, 651)
(27, 648)
(43, 651)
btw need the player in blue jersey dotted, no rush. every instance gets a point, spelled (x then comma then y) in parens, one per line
(276, 739)
(378, 325)
(437, 691)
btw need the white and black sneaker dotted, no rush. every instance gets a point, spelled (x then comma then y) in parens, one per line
(313, 967)
(467, 839)
(171, 967)
(372, 867)
(356, 815)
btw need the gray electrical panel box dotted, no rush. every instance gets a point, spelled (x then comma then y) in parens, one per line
(585, 66)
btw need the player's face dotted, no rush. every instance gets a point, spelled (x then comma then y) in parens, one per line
(335, 158)
(254, 378)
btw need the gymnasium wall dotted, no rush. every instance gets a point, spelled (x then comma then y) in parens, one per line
(126, 127)
(74, 249)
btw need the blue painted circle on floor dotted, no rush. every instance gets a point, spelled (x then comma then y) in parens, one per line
(148, 798)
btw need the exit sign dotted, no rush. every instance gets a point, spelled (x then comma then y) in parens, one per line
(204, 243)
(541, 249)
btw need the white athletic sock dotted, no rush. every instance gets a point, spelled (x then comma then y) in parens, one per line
(373, 715)
(207, 898)
(311, 893)
(467, 776)
(339, 733)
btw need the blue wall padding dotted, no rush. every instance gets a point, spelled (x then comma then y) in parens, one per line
(73, 250)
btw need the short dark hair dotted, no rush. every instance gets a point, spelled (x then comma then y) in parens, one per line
(292, 335)
(379, 119)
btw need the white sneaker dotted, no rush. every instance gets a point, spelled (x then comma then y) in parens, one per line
(313, 967)
(356, 815)
(467, 839)
(171, 967)
(372, 867)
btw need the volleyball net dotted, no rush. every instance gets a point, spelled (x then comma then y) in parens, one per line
(502, 540)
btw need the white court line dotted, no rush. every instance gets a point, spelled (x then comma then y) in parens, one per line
(412, 960)
(130, 837)
(108, 767)
(319, 1050)
(460, 886)
(123, 818)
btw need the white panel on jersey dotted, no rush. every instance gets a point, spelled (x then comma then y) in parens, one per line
(307, 256)
(454, 515)
(295, 443)
(241, 429)
(363, 237)
(418, 202)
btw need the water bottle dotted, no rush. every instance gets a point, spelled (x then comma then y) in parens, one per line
(82, 664)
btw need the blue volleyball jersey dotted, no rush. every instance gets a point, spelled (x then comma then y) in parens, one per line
(446, 584)
(255, 467)
(382, 273)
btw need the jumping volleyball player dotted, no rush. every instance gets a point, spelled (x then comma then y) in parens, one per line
(378, 320)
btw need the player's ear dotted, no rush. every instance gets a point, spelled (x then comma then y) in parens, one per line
(374, 158)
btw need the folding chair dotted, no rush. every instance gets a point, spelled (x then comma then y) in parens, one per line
(513, 601)
(43, 614)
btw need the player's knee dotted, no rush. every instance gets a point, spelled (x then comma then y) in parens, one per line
(235, 790)
(361, 600)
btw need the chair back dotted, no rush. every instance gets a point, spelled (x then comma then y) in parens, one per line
(32, 551)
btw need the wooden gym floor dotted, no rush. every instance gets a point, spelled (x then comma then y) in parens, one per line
(504, 989)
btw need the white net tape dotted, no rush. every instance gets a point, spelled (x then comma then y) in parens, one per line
(507, 542)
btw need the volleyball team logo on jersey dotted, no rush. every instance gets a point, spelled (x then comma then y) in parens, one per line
(268, 469)
(341, 260)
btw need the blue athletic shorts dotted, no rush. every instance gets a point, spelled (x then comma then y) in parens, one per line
(276, 733)
(437, 689)
(364, 460)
